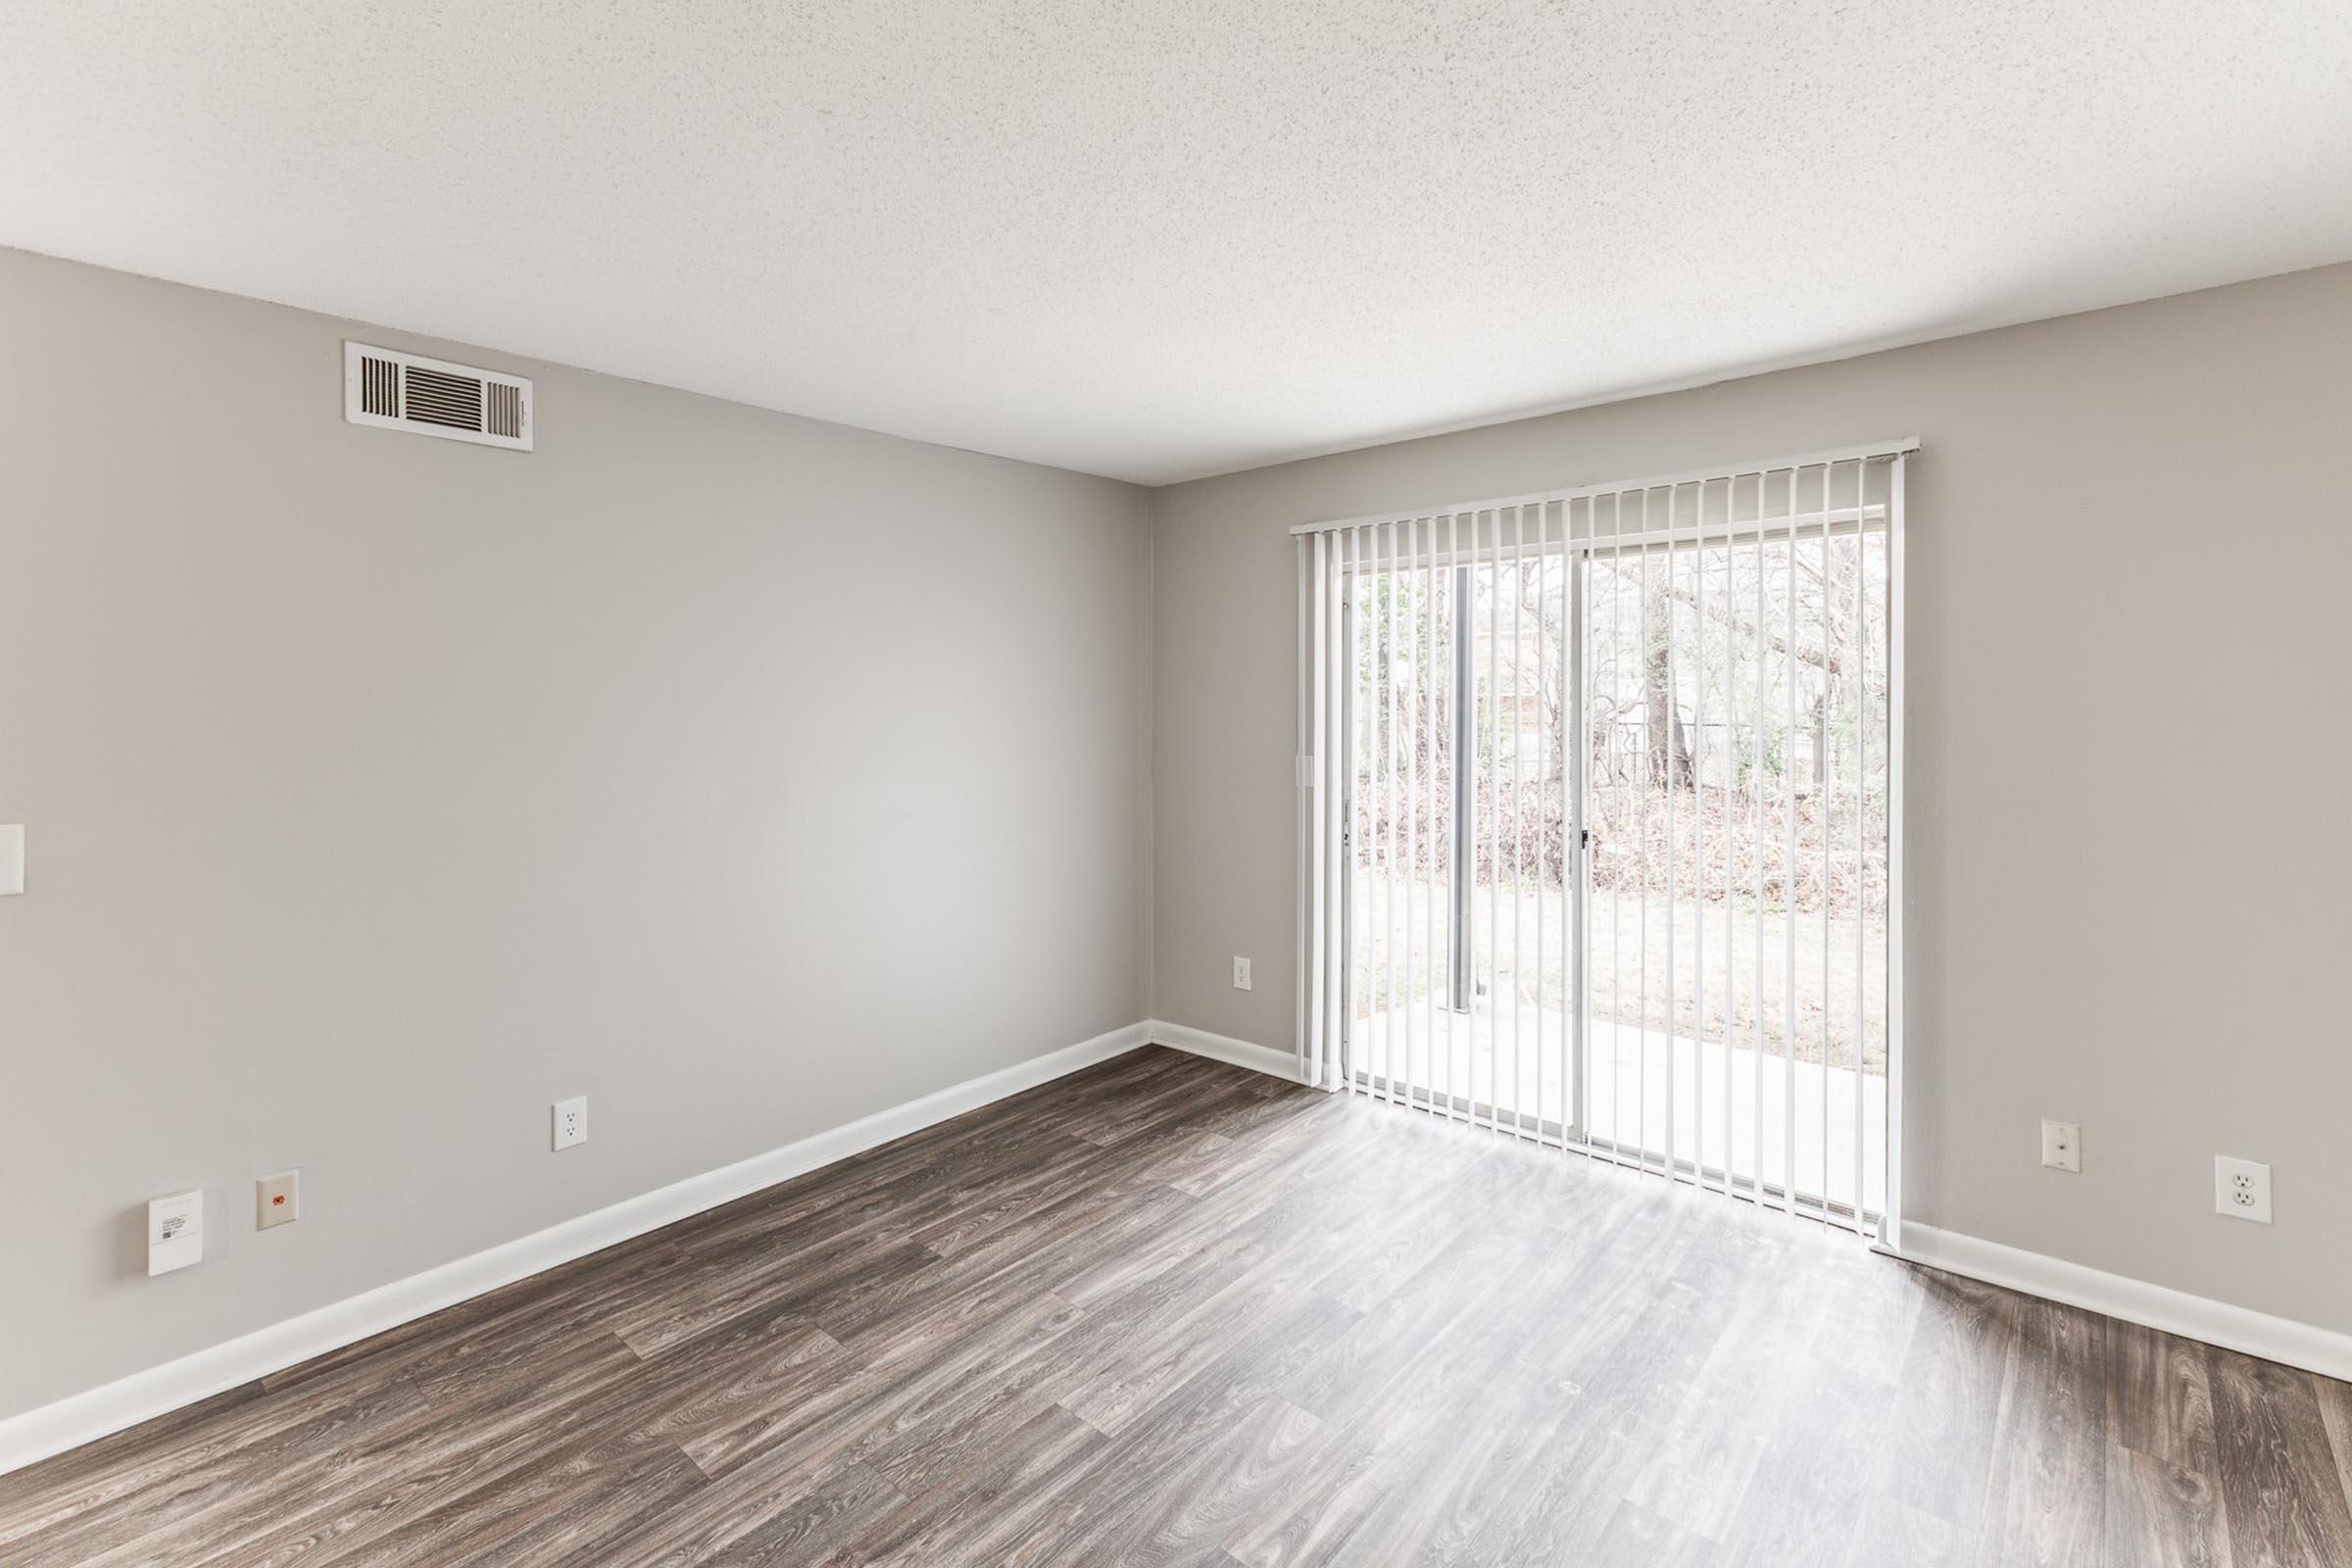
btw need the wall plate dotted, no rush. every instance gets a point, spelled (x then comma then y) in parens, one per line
(278, 1200)
(568, 1122)
(2241, 1188)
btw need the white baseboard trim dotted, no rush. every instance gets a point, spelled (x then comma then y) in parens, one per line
(85, 1418)
(1223, 1047)
(2156, 1306)
(81, 1418)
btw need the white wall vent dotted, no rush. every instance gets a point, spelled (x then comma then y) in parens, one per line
(433, 397)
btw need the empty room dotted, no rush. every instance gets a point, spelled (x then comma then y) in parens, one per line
(1241, 784)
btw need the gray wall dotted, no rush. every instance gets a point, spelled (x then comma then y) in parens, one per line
(2131, 574)
(744, 773)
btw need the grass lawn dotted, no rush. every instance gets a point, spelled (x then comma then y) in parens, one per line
(1629, 988)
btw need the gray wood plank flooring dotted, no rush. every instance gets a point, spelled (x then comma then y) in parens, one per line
(1172, 1312)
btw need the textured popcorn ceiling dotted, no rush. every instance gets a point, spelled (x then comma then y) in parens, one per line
(1168, 238)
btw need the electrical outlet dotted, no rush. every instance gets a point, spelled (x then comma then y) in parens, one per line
(278, 1200)
(571, 1122)
(1241, 974)
(2241, 1188)
(2061, 1144)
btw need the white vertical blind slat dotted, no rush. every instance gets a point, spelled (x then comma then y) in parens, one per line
(1310, 997)
(1301, 803)
(1518, 578)
(1730, 861)
(1756, 791)
(1407, 585)
(1892, 1157)
(1624, 817)
(1493, 1052)
(1823, 797)
(1532, 1112)
(1789, 883)
(1576, 1076)
(1355, 920)
(1674, 891)
(1392, 619)
(1432, 979)
(1860, 650)
(1698, 848)
(1452, 1098)
(1648, 743)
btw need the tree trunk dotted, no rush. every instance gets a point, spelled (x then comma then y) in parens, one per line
(1669, 746)
(1821, 743)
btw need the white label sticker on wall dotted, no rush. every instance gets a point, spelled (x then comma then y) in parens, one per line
(174, 1232)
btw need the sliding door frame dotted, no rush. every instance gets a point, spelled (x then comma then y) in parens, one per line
(1326, 915)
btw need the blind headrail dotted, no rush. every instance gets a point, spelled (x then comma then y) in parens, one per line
(1863, 451)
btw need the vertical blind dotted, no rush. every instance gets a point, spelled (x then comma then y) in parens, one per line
(1599, 797)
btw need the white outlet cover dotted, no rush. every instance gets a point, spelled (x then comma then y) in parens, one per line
(12, 857)
(1241, 974)
(570, 1122)
(2062, 1145)
(276, 1199)
(2241, 1188)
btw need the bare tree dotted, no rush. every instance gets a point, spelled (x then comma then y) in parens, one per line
(1669, 746)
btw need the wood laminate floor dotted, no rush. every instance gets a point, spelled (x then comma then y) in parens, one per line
(1168, 1311)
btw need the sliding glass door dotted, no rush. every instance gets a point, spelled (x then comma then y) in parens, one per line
(1613, 820)
(1737, 714)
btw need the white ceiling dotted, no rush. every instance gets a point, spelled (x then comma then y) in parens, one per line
(1161, 239)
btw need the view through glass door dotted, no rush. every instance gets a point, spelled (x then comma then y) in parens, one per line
(1461, 875)
(1617, 830)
